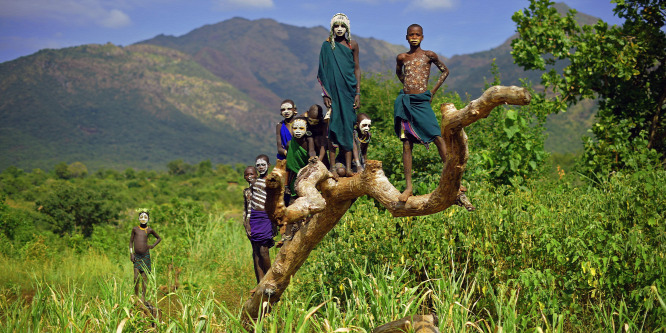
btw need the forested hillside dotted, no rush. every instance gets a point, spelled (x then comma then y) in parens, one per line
(137, 106)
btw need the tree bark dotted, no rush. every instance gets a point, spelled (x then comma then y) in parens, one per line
(323, 200)
(414, 323)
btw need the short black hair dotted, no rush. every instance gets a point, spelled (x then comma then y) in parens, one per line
(303, 118)
(141, 212)
(362, 116)
(290, 102)
(250, 167)
(414, 26)
(319, 110)
(263, 157)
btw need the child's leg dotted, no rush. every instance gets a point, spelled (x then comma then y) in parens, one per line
(143, 282)
(441, 147)
(407, 161)
(264, 261)
(136, 282)
(255, 262)
(348, 159)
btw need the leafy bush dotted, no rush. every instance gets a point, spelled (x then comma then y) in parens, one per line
(71, 206)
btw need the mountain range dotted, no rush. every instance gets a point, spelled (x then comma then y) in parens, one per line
(212, 93)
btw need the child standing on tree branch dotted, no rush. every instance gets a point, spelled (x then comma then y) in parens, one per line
(414, 120)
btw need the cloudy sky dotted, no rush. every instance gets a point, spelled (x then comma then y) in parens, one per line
(451, 26)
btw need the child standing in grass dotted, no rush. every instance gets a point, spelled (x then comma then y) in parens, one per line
(261, 227)
(140, 251)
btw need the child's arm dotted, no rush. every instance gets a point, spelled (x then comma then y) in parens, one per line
(398, 67)
(278, 136)
(311, 147)
(159, 239)
(357, 73)
(364, 151)
(355, 156)
(131, 245)
(442, 68)
(246, 218)
(322, 150)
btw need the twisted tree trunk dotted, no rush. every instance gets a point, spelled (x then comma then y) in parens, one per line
(324, 200)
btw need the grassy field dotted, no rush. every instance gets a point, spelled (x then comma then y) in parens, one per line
(546, 256)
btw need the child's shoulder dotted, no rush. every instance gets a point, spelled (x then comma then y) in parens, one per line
(430, 54)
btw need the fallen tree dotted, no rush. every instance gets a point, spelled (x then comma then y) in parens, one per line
(323, 200)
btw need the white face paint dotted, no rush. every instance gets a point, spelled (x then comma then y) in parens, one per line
(287, 110)
(364, 126)
(339, 29)
(143, 218)
(299, 127)
(261, 166)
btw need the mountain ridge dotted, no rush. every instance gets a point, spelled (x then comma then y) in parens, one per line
(209, 94)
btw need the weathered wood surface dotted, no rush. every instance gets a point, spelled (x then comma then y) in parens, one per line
(414, 323)
(323, 200)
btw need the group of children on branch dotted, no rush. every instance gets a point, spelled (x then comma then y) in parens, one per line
(321, 132)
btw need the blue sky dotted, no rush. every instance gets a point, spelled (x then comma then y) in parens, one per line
(450, 26)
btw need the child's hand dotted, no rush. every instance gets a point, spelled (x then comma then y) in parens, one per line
(132, 257)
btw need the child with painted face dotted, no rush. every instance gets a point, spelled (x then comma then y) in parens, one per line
(283, 129)
(318, 129)
(414, 119)
(261, 227)
(301, 148)
(140, 251)
(340, 75)
(250, 175)
(361, 139)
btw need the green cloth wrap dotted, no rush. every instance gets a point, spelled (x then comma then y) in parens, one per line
(297, 158)
(416, 109)
(336, 75)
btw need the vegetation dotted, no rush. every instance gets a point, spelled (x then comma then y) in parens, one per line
(546, 250)
(547, 254)
(113, 107)
(623, 66)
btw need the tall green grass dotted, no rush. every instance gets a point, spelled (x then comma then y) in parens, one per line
(537, 258)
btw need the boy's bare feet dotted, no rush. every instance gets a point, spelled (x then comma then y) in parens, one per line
(405, 195)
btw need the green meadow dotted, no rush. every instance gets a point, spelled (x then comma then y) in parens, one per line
(554, 254)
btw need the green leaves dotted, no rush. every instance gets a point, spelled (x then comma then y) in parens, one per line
(621, 65)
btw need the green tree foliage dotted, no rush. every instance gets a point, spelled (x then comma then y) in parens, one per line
(77, 170)
(61, 171)
(179, 167)
(508, 146)
(71, 206)
(623, 66)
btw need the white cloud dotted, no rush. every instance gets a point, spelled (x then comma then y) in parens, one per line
(435, 4)
(84, 12)
(116, 19)
(237, 4)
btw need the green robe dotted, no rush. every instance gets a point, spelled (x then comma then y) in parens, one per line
(297, 158)
(416, 110)
(336, 76)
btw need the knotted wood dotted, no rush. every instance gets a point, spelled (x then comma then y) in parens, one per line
(323, 200)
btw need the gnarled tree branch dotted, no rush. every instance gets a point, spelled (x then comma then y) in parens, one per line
(324, 200)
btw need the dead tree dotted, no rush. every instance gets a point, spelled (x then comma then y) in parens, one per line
(324, 200)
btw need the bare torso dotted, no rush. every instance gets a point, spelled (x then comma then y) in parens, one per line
(417, 72)
(139, 239)
(413, 69)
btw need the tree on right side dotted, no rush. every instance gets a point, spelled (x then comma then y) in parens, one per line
(621, 66)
